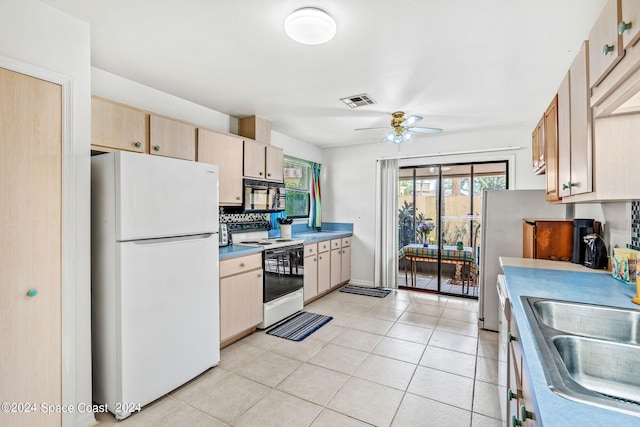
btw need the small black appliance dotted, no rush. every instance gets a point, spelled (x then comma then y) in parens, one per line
(581, 227)
(595, 255)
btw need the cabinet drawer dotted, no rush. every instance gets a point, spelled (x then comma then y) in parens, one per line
(336, 243)
(346, 241)
(229, 267)
(310, 249)
(324, 246)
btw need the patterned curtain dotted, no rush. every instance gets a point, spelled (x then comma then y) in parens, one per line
(315, 210)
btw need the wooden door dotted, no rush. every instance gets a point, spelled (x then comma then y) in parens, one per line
(551, 149)
(324, 270)
(226, 152)
(581, 148)
(171, 138)
(630, 15)
(275, 163)
(564, 138)
(118, 127)
(310, 277)
(254, 159)
(30, 247)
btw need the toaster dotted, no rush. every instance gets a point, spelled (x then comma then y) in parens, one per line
(595, 255)
(223, 235)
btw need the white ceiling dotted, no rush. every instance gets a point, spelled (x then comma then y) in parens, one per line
(461, 64)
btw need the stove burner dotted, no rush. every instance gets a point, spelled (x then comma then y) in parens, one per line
(283, 240)
(252, 242)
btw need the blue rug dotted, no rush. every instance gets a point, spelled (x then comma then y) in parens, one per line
(299, 326)
(370, 292)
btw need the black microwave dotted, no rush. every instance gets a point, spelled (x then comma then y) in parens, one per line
(263, 196)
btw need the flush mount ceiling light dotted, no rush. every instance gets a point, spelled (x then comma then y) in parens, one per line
(310, 26)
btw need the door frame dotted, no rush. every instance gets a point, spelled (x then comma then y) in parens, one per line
(69, 232)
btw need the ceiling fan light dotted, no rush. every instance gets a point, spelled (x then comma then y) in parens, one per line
(310, 26)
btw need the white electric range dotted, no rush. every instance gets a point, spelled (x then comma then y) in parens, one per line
(283, 264)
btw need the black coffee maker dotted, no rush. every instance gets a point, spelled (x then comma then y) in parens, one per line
(581, 228)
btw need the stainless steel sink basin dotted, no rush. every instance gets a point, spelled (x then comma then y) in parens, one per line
(589, 354)
(594, 321)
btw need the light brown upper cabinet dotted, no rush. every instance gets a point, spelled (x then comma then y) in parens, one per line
(263, 161)
(118, 127)
(551, 149)
(537, 148)
(629, 24)
(225, 151)
(172, 138)
(605, 44)
(255, 128)
(575, 163)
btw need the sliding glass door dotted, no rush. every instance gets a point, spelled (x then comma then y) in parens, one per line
(439, 224)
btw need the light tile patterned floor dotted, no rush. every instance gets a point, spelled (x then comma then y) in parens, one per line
(409, 359)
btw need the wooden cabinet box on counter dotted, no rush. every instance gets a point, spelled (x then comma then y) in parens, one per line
(550, 239)
(241, 297)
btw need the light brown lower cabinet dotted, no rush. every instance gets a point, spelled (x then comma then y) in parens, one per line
(241, 296)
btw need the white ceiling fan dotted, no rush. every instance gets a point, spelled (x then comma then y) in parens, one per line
(401, 129)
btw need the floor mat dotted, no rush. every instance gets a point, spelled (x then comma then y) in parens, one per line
(299, 326)
(370, 292)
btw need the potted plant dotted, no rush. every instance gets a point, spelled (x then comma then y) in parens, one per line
(424, 229)
(285, 227)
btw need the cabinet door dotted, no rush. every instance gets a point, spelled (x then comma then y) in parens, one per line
(534, 149)
(118, 127)
(564, 138)
(240, 303)
(528, 240)
(605, 47)
(324, 271)
(581, 147)
(630, 15)
(30, 248)
(310, 277)
(537, 148)
(345, 266)
(551, 149)
(527, 408)
(336, 274)
(171, 138)
(226, 152)
(275, 163)
(254, 159)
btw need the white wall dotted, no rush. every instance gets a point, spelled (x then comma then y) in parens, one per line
(296, 148)
(38, 35)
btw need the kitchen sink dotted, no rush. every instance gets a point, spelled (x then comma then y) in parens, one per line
(590, 353)
(595, 321)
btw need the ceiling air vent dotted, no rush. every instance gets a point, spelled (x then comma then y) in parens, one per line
(358, 100)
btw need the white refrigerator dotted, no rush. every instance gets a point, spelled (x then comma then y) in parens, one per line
(503, 212)
(155, 290)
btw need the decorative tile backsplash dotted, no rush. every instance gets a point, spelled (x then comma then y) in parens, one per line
(226, 218)
(635, 225)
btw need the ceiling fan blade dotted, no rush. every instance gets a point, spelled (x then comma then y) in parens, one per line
(411, 120)
(432, 131)
(386, 127)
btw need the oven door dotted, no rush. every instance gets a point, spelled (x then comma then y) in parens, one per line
(283, 271)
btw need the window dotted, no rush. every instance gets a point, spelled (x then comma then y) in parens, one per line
(297, 180)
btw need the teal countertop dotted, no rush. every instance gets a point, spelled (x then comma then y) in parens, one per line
(586, 287)
(308, 237)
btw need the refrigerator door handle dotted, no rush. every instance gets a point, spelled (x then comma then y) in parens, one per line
(169, 240)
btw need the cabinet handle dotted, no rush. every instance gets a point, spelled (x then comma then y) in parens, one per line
(320, 257)
(32, 292)
(269, 174)
(156, 148)
(515, 422)
(568, 185)
(607, 48)
(242, 264)
(624, 26)
(259, 275)
(512, 337)
(138, 144)
(511, 395)
(260, 173)
(524, 414)
(237, 197)
(314, 260)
